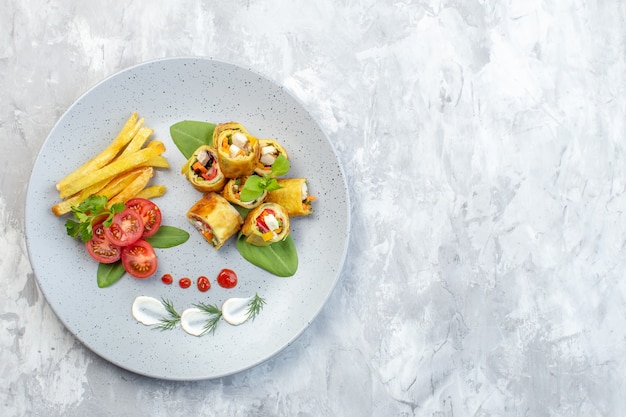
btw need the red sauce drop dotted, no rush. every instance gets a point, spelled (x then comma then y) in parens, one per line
(227, 278)
(167, 279)
(203, 283)
(184, 282)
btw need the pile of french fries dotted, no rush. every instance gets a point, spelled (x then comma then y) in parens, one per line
(120, 172)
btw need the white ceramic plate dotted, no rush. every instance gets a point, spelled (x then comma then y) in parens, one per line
(165, 92)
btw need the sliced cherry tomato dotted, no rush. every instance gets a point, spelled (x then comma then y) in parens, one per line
(260, 220)
(203, 283)
(210, 174)
(100, 248)
(150, 214)
(126, 228)
(227, 278)
(139, 259)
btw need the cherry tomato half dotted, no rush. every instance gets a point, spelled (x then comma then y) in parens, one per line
(150, 214)
(227, 278)
(100, 248)
(139, 259)
(126, 228)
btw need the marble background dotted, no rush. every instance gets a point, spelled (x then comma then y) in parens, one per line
(483, 143)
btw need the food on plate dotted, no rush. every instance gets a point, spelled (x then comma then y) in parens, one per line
(151, 192)
(149, 212)
(126, 227)
(232, 192)
(118, 166)
(139, 259)
(237, 150)
(119, 172)
(203, 171)
(270, 150)
(293, 196)
(215, 218)
(100, 247)
(266, 224)
(129, 130)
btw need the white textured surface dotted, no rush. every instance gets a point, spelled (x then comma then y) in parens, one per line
(483, 143)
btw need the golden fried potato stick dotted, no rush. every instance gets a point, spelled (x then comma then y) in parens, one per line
(120, 182)
(157, 162)
(138, 184)
(125, 135)
(138, 140)
(65, 206)
(116, 167)
(151, 192)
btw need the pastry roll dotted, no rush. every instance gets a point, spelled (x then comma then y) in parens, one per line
(270, 150)
(232, 190)
(266, 224)
(215, 218)
(203, 171)
(237, 150)
(293, 196)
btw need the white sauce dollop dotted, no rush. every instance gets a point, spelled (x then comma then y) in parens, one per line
(235, 310)
(193, 320)
(148, 310)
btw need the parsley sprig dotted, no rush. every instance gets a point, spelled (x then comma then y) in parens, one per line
(255, 185)
(86, 213)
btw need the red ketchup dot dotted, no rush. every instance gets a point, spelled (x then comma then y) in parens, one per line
(227, 278)
(203, 283)
(184, 282)
(167, 279)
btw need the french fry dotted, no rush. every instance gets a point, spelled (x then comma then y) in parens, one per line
(138, 184)
(65, 206)
(151, 192)
(107, 188)
(120, 182)
(125, 135)
(138, 140)
(157, 162)
(116, 167)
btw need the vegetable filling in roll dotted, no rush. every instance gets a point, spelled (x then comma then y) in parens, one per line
(266, 224)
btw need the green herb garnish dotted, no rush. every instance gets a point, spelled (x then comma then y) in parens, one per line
(255, 306)
(215, 314)
(170, 322)
(86, 213)
(255, 185)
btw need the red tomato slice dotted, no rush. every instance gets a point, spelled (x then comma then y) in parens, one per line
(260, 220)
(126, 228)
(150, 214)
(100, 248)
(139, 259)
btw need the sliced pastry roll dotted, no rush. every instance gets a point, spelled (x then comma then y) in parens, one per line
(232, 193)
(203, 170)
(215, 218)
(293, 196)
(270, 150)
(237, 150)
(266, 224)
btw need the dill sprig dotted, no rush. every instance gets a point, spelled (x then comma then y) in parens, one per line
(214, 313)
(170, 322)
(255, 306)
